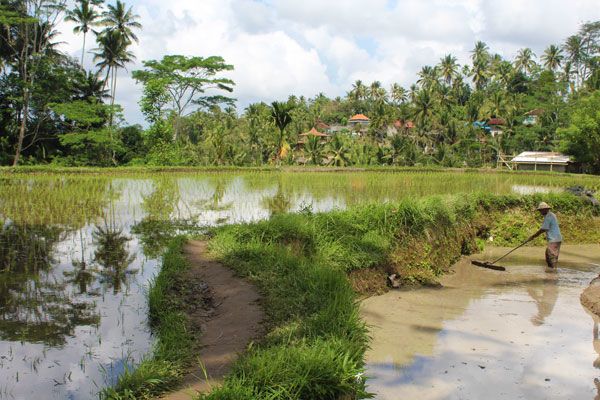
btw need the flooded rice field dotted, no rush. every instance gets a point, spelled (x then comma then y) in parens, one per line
(520, 334)
(77, 253)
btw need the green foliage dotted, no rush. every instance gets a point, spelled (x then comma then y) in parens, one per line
(315, 344)
(582, 138)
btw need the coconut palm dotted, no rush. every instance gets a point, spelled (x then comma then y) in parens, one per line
(85, 16)
(479, 74)
(398, 93)
(480, 54)
(118, 18)
(111, 55)
(428, 77)
(574, 49)
(524, 62)
(376, 91)
(552, 57)
(448, 68)
(358, 92)
(424, 105)
(340, 154)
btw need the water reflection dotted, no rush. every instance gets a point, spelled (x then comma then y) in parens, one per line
(77, 253)
(523, 333)
(545, 296)
(33, 306)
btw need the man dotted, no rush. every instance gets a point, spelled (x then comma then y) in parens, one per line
(553, 237)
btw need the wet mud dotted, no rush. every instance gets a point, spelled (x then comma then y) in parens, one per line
(520, 334)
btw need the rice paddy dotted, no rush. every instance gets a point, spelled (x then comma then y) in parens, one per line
(77, 253)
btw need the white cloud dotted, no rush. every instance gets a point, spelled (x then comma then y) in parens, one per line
(282, 47)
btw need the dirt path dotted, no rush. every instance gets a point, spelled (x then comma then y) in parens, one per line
(236, 321)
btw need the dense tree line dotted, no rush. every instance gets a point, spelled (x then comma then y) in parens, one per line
(54, 111)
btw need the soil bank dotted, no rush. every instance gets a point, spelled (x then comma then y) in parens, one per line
(233, 321)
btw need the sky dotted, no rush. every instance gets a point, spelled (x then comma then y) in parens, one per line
(307, 47)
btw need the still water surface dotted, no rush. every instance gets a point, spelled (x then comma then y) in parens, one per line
(521, 334)
(77, 254)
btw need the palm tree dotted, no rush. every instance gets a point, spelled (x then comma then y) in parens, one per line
(428, 77)
(340, 156)
(376, 91)
(118, 17)
(574, 49)
(524, 62)
(90, 86)
(448, 68)
(280, 112)
(480, 53)
(552, 57)
(358, 92)
(84, 15)
(398, 93)
(111, 55)
(424, 108)
(479, 74)
(314, 150)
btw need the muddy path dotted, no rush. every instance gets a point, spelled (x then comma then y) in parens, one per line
(522, 334)
(233, 322)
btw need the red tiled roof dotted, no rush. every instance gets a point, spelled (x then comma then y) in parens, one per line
(360, 117)
(314, 132)
(496, 121)
(536, 112)
(322, 125)
(398, 123)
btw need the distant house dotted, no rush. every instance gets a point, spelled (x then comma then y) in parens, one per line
(541, 161)
(322, 126)
(359, 119)
(532, 117)
(323, 137)
(399, 126)
(495, 126)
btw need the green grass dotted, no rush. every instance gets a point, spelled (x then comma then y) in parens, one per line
(316, 341)
(164, 368)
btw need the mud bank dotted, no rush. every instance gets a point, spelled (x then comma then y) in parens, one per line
(590, 297)
(227, 326)
(485, 334)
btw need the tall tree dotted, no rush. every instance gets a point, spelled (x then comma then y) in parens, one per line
(116, 38)
(85, 16)
(448, 68)
(27, 40)
(552, 57)
(280, 112)
(175, 83)
(524, 62)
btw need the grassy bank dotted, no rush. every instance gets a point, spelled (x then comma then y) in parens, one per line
(301, 262)
(165, 366)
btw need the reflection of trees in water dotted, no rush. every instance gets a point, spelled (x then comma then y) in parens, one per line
(280, 203)
(112, 255)
(33, 306)
(160, 225)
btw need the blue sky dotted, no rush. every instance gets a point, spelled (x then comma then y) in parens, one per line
(280, 47)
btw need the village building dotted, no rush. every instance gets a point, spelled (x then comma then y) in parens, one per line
(399, 126)
(359, 120)
(495, 126)
(323, 137)
(541, 161)
(533, 117)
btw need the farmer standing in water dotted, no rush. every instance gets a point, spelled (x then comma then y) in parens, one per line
(553, 237)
